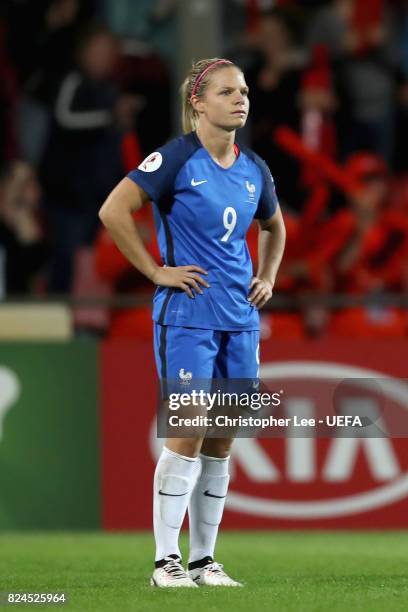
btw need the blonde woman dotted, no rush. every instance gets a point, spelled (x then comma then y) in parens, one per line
(206, 190)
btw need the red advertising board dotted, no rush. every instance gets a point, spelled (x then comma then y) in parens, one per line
(289, 482)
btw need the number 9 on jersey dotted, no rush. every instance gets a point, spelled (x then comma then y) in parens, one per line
(230, 221)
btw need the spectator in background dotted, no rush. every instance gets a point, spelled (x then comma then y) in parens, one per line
(274, 82)
(361, 249)
(22, 248)
(147, 78)
(147, 29)
(83, 157)
(317, 103)
(149, 48)
(375, 247)
(148, 21)
(401, 158)
(373, 256)
(40, 40)
(8, 101)
(358, 34)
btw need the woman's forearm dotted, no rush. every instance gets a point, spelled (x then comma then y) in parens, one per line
(125, 234)
(116, 215)
(271, 245)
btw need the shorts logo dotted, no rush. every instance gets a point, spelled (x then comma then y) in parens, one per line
(251, 190)
(152, 162)
(185, 377)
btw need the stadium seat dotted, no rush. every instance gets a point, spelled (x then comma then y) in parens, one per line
(282, 325)
(364, 323)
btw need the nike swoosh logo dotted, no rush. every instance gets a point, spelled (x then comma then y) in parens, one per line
(172, 494)
(195, 183)
(208, 494)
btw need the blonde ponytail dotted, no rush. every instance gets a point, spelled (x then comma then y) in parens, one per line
(188, 115)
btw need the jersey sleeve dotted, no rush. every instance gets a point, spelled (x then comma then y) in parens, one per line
(268, 202)
(157, 173)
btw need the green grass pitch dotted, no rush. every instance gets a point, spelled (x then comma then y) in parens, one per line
(282, 572)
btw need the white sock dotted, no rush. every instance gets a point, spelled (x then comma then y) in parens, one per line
(206, 506)
(174, 479)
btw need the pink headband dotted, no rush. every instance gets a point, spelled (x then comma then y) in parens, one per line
(204, 72)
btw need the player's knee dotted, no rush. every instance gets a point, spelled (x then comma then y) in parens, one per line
(188, 447)
(224, 450)
(217, 448)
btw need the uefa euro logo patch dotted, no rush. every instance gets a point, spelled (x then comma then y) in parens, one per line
(152, 162)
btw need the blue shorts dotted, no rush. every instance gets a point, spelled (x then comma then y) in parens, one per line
(182, 352)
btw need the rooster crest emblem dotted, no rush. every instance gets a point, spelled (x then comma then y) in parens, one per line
(250, 187)
(185, 376)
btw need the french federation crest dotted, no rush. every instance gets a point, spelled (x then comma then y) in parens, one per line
(251, 190)
(185, 377)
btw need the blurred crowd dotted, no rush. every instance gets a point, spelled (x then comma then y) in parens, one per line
(86, 92)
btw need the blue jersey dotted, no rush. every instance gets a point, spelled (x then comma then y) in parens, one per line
(202, 214)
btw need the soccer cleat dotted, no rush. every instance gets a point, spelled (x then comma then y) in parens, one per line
(212, 574)
(171, 574)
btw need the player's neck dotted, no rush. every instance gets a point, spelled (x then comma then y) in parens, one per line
(219, 144)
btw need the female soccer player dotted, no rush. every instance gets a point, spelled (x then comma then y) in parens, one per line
(205, 191)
